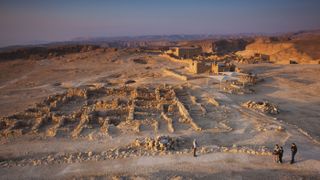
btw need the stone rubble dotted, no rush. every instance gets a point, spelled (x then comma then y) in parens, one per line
(162, 145)
(263, 106)
(87, 111)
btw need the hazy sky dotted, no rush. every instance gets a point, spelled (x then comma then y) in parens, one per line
(27, 21)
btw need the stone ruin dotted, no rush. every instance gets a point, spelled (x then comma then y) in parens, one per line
(243, 84)
(262, 106)
(249, 79)
(160, 143)
(198, 67)
(92, 111)
(256, 58)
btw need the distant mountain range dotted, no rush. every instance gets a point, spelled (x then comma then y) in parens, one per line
(181, 37)
(174, 37)
(124, 40)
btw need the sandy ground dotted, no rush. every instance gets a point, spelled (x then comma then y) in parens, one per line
(295, 88)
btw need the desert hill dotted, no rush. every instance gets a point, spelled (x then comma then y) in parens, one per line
(303, 47)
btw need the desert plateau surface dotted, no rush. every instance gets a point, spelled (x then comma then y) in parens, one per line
(133, 109)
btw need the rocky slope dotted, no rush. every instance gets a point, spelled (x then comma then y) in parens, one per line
(304, 49)
(40, 52)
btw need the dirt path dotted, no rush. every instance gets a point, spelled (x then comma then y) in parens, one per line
(200, 166)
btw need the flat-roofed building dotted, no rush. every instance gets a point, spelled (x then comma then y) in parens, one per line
(223, 67)
(198, 67)
(185, 52)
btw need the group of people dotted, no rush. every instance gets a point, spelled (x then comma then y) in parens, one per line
(278, 153)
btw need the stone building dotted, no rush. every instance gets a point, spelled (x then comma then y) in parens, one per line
(198, 67)
(185, 52)
(222, 67)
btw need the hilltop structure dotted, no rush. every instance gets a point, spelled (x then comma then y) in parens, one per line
(198, 67)
(185, 52)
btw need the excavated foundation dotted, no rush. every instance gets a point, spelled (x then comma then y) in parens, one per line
(81, 112)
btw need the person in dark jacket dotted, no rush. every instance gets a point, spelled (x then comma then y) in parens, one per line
(280, 154)
(276, 152)
(294, 151)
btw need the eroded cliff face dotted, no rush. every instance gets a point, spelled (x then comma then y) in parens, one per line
(36, 53)
(281, 52)
(220, 47)
(226, 46)
(206, 45)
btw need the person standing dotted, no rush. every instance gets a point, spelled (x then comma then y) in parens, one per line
(280, 154)
(276, 152)
(294, 151)
(195, 145)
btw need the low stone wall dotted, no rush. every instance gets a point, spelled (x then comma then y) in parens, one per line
(186, 61)
(213, 101)
(175, 74)
(169, 122)
(185, 113)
